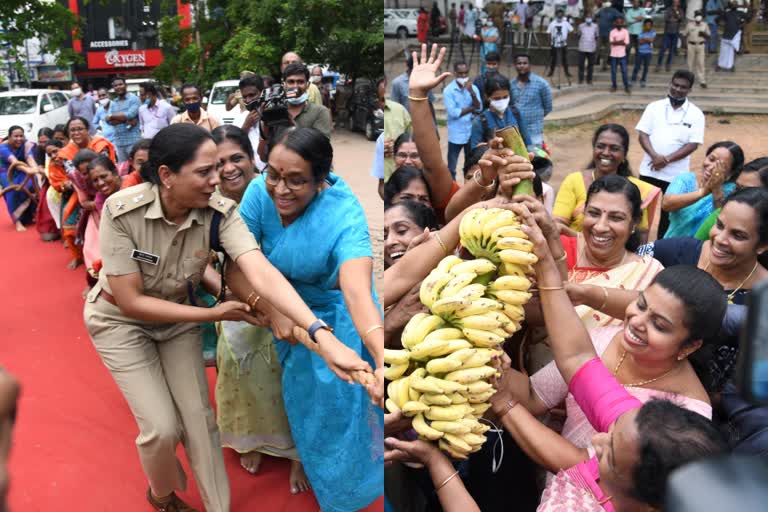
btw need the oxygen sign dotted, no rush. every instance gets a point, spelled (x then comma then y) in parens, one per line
(116, 59)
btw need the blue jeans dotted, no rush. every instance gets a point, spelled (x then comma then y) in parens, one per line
(714, 41)
(643, 59)
(453, 155)
(619, 61)
(668, 43)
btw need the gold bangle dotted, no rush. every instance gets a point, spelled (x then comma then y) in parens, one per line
(413, 98)
(446, 481)
(248, 300)
(369, 331)
(550, 288)
(562, 258)
(605, 298)
(487, 187)
(440, 241)
(252, 305)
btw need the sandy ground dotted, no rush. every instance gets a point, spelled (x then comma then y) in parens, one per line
(353, 156)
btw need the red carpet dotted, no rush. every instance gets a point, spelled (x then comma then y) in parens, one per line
(74, 446)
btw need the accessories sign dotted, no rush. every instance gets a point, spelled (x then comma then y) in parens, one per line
(116, 59)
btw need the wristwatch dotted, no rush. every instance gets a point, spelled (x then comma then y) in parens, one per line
(317, 325)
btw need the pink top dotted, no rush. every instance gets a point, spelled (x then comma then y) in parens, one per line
(552, 390)
(619, 35)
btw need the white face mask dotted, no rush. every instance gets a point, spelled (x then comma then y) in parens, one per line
(589, 21)
(698, 19)
(77, 92)
(462, 81)
(104, 102)
(500, 105)
(315, 79)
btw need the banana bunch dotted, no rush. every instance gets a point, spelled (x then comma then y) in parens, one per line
(495, 234)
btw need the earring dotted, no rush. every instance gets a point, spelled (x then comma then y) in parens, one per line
(680, 358)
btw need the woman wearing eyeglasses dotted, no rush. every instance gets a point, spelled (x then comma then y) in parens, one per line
(312, 228)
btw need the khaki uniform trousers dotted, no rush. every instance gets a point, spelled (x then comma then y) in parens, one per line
(159, 369)
(697, 61)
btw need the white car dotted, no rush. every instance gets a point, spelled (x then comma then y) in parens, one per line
(400, 22)
(32, 109)
(217, 101)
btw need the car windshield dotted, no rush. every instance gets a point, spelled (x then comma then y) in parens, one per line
(221, 93)
(15, 105)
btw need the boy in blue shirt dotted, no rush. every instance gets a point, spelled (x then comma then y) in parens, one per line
(644, 51)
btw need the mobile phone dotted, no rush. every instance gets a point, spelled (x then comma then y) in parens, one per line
(752, 370)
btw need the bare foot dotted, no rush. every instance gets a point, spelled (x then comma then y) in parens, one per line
(297, 478)
(251, 462)
(74, 264)
(20, 227)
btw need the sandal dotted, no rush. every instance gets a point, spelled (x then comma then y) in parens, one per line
(173, 504)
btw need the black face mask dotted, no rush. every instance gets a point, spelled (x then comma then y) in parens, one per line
(676, 102)
(254, 105)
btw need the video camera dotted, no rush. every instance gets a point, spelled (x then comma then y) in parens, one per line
(274, 106)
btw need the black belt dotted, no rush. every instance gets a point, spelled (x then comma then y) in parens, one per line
(691, 42)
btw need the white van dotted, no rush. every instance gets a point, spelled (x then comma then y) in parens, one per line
(217, 101)
(32, 109)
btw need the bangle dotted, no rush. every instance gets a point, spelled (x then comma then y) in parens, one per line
(550, 288)
(369, 331)
(440, 241)
(446, 481)
(510, 405)
(605, 298)
(252, 305)
(413, 98)
(561, 258)
(487, 187)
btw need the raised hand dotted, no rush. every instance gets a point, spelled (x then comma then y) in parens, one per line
(424, 75)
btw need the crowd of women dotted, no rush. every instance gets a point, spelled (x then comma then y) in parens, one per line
(624, 369)
(290, 275)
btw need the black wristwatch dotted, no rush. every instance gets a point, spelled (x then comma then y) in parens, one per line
(317, 325)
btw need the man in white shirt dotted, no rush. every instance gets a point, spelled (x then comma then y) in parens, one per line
(248, 120)
(670, 130)
(154, 113)
(558, 31)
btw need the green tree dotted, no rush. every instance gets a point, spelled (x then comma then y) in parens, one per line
(50, 22)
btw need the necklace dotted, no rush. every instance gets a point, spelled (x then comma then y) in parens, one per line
(583, 254)
(733, 293)
(642, 382)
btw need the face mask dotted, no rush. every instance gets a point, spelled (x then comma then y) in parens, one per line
(676, 102)
(147, 102)
(298, 100)
(488, 23)
(500, 105)
(193, 107)
(462, 81)
(589, 21)
(77, 92)
(104, 102)
(698, 19)
(315, 79)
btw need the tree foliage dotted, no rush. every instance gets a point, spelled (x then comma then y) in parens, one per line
(235, 35)
(50, 22)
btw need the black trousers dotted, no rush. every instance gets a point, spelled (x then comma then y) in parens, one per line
(553, 56)
(664, 218)
(587, 58)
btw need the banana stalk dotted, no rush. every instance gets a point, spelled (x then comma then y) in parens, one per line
(514, 141)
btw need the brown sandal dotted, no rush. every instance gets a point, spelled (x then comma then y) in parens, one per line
(174, 503)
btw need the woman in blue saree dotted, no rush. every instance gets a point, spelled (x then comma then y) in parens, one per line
(19, 153)
(489, 36)
(312, 228)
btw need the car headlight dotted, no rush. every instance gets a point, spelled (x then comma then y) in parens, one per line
(378, 113)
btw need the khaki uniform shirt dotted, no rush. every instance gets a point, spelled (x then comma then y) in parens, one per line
(692, 31)
(206, 120)
(136, 237)
(314, 116)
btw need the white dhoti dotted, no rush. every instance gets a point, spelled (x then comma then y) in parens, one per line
(728, 49)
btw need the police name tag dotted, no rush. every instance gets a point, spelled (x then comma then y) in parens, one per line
(145, 257)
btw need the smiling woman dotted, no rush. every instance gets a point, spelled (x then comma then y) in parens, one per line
(404, 222)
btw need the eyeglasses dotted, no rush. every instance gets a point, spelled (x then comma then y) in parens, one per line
(293, 183)
(403, 156)
(74, 129)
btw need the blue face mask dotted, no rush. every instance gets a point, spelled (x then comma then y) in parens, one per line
(147, 102)
(298, 100)
(193, 107)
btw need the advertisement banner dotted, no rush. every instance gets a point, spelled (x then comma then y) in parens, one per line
(118, 59)
(53, 74)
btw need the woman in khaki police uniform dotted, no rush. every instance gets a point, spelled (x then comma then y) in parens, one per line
(154, 245)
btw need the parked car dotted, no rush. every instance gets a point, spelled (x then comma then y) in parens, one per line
(365, 114)
(217, 101)
(400, 22)
(32, 109)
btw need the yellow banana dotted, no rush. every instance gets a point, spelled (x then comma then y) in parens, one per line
(483, 339)
(480, 322)
(479, 409)
(457, 442)
(519, 283)
(447, 306)
(396, 356)
(392, 389)
(478, 266)
(395, 371)
(514, 312)
(442, 365)
(424, 430)
(513, 269)
(471, 292)
(423, 329)
(500, 317)
(391, 405)
(427, 348)
(471, 374)
(407, 337)
(424, 385)
(448, 262)
(514, 297)
(413, 394)
(473, 439)
(462, 355)
(445, 385)
(452, 346)
(451, 427)
(500, 219)
(478, 221)
(458, 398)
(479, 386)
(519, 257)
(466, 225)
(413, 408)
(480, 358)
(402, 391)
(456, 284)
(435, 399)
(518, 244)
(447, 412)
(480, 397)
(429, 291)
(451, 451)
(508, 231)
(444, 333)
(478, 307)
